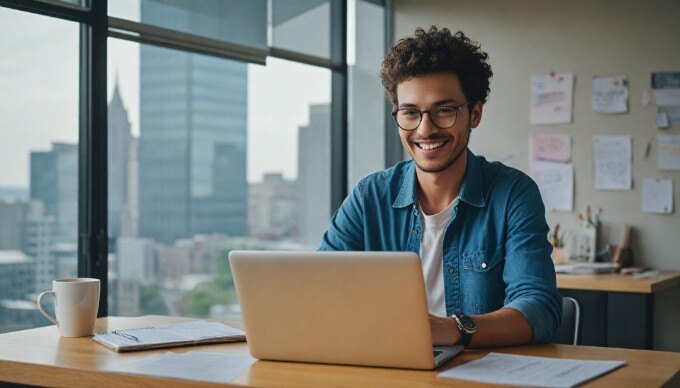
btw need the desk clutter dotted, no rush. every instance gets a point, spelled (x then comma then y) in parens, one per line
(575, 251)
(178, 334)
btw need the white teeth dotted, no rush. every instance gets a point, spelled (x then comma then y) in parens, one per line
(430, 146)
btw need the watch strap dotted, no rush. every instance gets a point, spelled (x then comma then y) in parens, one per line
(465, 339)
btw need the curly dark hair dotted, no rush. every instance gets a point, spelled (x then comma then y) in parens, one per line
(435, 51)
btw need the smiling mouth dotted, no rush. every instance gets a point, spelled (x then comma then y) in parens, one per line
(430, 146)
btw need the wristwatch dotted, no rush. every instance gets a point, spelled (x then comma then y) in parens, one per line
(467, 327)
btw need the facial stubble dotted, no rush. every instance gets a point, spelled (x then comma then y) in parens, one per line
(451, 160)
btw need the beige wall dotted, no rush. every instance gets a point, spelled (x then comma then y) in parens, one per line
(586, 38)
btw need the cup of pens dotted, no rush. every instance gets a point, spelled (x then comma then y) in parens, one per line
(584, 240)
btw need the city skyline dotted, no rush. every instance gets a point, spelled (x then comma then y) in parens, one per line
(285, 89)
(148, 276)
(229, 124)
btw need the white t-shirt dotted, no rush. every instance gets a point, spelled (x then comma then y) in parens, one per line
(431, 257)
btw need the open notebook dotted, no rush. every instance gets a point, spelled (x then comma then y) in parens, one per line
(179, 334)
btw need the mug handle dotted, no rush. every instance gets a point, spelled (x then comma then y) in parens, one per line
(48, 316)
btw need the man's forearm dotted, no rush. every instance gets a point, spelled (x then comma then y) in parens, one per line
(505, 327)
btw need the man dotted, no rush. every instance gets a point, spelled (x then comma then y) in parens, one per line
(478, 226)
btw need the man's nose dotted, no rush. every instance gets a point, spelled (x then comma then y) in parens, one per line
(426, 127)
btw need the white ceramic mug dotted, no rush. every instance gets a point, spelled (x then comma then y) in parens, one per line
(76, 302)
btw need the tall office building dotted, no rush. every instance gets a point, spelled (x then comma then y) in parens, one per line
(314, 163)
(37, 241)
(17, 274)
(119, 157)
(12, 215)
(24, 226)
(193, 133)
(54, 181)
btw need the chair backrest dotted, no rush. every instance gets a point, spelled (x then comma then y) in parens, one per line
(570, 329)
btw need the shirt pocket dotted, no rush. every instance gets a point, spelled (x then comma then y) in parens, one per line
(483, 260)
(484, 289)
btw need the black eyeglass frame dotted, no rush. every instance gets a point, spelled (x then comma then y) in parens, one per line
(457, 108)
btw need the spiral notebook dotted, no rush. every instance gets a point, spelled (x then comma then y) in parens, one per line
(179, 334)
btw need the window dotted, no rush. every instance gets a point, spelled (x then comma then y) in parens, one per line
(224, 133)
(207, 155)
(39, 178)
(72, 3)
(302, 26)
(234, 21)
(366, 41)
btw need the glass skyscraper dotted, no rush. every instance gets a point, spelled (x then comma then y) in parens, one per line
(54, 181)
(193, 136)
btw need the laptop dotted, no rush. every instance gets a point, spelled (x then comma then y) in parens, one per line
(354, 308)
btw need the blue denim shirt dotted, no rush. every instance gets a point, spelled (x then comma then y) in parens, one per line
(495, 255)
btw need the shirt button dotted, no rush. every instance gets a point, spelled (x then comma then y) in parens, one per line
(451, 270)
(415, 231)
(483, 265)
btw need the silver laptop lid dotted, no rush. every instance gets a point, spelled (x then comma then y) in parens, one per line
(360, 308)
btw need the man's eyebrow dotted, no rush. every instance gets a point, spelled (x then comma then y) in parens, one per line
(437, 103)
(445, 101)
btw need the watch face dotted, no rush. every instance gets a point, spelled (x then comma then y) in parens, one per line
(466, 322)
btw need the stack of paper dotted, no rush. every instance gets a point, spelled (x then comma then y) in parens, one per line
(529, 371)
(189, 333)
(198, 366)
(586, 268)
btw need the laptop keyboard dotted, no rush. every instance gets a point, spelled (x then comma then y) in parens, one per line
(437, 352)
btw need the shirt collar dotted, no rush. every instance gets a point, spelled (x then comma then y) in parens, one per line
(471, 191)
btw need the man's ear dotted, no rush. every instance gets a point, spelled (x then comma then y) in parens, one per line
(476, 114)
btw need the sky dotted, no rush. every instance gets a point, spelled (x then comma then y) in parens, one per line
(38, 89)
(39, 94)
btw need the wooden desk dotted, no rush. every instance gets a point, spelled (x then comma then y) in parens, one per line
(617, 310)
(41, 357)
(618, 282)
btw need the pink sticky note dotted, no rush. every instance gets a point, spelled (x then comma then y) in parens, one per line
(551, 147)
(556, 148)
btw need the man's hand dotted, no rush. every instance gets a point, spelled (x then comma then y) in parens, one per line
(444, 330)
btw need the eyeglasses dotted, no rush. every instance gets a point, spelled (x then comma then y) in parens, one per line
(442, 117)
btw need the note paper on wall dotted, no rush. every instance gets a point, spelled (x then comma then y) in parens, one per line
(613, 159)
(669, 152)
(657, 196)
(556, 148)
(610, 94)
(556, 184)
(666, 90)
(551, 98)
